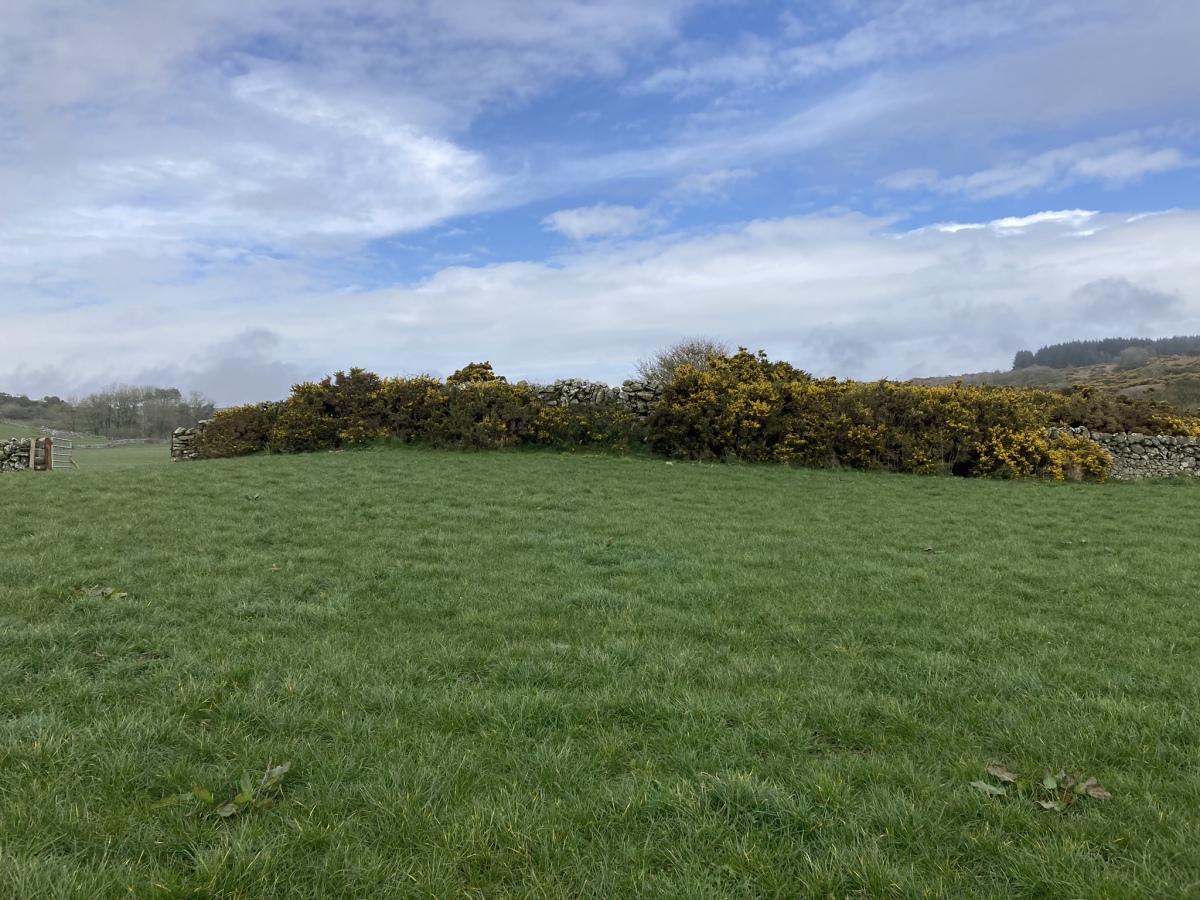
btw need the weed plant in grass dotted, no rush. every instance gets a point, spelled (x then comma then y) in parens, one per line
(543, 675)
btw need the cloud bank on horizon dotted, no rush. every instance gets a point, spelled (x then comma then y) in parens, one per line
(232, 196)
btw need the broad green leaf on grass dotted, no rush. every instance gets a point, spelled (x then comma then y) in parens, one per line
(990, 789)
(242, 798)
(1049, 782)
(246, 784)
(274, 776)
(202, 795)
(1050, 804)
(173, 800)
(1003, 774)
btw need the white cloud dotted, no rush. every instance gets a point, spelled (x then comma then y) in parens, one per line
(213, 127)
(600, 220)
(870, 35)
(457, 52)
(176, 175)
(837, 294)
(1114, 162)
(1120, 300)
(701, 186)
(1007, 71)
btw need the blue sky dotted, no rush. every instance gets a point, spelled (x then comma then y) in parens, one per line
(234, 195)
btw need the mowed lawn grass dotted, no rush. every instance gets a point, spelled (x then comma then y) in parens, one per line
(545, 675)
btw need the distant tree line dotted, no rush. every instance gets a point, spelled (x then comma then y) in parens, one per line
(116, 411)
(1127, 351)
(19, 408)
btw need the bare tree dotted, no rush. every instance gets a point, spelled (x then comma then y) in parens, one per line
(149, 411)
(197, 406)
(74, 412)
(693, 351)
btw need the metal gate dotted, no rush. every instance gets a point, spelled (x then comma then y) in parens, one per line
(62, 454)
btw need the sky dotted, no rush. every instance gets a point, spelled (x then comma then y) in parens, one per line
(236, 195)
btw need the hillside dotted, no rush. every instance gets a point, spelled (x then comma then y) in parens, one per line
(1175, 379)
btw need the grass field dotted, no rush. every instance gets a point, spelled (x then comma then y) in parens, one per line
(123, 457)
(543, 675)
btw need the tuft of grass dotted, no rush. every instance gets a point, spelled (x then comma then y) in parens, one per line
(543, 675)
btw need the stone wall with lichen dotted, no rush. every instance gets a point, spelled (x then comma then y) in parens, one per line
(23, 454)
(1144, 455)
(637, 396)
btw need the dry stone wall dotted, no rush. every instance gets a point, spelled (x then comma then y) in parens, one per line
(637, 396)
(22, 454)
(14, 454)
(1144, 455)
(182, 440)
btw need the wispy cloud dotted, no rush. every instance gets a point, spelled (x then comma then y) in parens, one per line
(1114, 162)
(886, 33)
(601, 220)
(704, 186)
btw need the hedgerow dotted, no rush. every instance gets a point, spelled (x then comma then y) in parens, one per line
(741, 406)
(237, 431)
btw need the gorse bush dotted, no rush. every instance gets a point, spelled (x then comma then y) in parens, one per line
(747, 407)
(473, 410)
(606, 425)
(334, 411)
(738, 406)
(237, 431)
(1101, 411)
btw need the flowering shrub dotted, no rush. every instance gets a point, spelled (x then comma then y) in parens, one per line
(606, 425)
(746, 407)
(1099, 410)
(741, 406)
(1019, 454)
(237, 431)
(334, 411)
(483, 413)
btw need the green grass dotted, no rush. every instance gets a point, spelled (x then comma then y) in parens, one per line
(534, 675)
(122, 457)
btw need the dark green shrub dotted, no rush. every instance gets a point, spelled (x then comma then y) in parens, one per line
(1100, 411)
(480, 415)
(475, 373)
(606, 425)
(237, 431)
